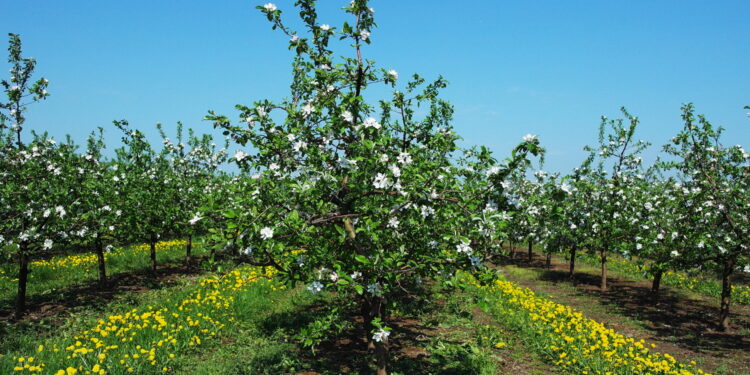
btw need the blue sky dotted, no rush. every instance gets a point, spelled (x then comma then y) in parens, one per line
(550, 68)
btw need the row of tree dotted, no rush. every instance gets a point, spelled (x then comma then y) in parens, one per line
(689, 210)
(380, 197)
(56, 195)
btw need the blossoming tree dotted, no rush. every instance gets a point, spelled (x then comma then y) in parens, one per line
(194, 166)
(376, 196)
(145, 178)
(611, 212)
(716, 186)
(34, 174)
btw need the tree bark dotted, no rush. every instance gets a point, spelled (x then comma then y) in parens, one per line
(604, 269)
(100, 260)
(531, 255)
(657, 281)
(572, 262)
(726, 294)
(381, 357)
(367, 317)
(377, 310)
(23, 276)
(152, 242)
(512, 249)
(189, 249)
(549, 260)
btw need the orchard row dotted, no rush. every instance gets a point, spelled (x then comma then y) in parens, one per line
(380, 196)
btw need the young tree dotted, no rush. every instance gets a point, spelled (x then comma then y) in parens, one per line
(145, 177)
(34, 186)
(715, 185)
(95, 216)
(611, 210)
(20, 90)
(378, 199)
(194, 164)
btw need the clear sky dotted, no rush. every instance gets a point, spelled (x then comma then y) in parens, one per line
(550, 68)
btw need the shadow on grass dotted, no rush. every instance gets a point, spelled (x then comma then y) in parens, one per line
(95, 296)
(347, 353)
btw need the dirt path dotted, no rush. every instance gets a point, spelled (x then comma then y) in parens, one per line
(435, 343)
(682, 326)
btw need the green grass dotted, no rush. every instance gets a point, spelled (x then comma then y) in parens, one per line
(50, 276)
(630, 321)
(160, 321)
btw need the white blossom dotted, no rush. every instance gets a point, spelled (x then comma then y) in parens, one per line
(404, 158)
(47, 244)
(240, 155)
(393, 74)
(364, 34)
(529, 137)
(395, 170)
(266, 233)
(493, 171)
(371, 122)
(347, 116)
(427, 211)
(197, 217)
(299, 145)
(270, 7)
(381, 181)
(307, 109)
(464, 248)
(381, 335)
(315, 287)
(393, 223)
(325, 27)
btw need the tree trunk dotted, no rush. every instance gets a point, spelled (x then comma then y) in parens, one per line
(381, 357)
(23, 276)
(512, 249)
(531, 255)
(367, 317)
(377, 310)
(100, 259)
(604, 269)
(726, 294)
(153, 252)
(572, 261)
(657, 281)
(549, 260)
(189, 249)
